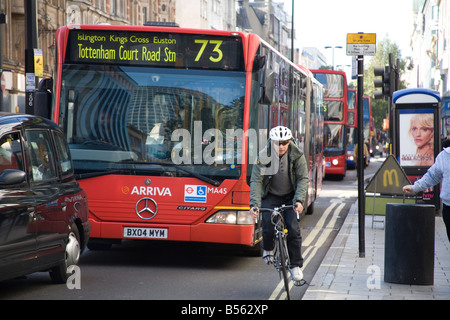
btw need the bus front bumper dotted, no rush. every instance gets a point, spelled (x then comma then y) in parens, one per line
(202, 232)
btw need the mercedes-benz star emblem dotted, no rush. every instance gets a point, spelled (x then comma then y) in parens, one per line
(146, 208)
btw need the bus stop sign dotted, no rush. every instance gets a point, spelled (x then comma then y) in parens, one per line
(361, 44)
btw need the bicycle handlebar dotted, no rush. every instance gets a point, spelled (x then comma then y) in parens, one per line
(278, 209)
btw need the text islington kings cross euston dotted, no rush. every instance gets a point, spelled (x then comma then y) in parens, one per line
(101, 53)
(153, 48)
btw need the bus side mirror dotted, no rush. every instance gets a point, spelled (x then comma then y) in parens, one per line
(267, 89)
(259, 62)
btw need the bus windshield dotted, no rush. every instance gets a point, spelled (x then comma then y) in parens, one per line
(334, 110)
(155, 121)
(333, 84)
(333, 139)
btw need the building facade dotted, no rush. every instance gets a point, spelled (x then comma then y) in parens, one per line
(264, 17)
(428, 67)
(209, 14)
(267, 19)
(50, 15)
(312, 58)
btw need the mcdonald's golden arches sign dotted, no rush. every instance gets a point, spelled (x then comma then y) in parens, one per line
(389, 179)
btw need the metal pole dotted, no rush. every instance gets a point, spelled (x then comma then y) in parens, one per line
(392, 127)
(30, 45)
(361, 204)
(332, 67)
(292, 34)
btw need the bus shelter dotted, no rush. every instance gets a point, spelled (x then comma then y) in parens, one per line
(445, 116)
(417, 136)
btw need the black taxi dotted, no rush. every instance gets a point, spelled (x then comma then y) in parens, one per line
(43, 211)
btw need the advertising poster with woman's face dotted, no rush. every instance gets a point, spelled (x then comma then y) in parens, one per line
(416, 139)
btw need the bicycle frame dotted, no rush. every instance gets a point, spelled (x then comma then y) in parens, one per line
(281, 255)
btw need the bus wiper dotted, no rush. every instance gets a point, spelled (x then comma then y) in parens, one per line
(180, 168)
(80, 176)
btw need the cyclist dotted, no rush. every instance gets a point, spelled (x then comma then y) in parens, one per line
(286, 185)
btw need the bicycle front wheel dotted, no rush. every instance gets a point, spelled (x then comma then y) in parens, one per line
(284, 261)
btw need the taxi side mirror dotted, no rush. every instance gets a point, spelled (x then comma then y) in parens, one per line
(12, 177)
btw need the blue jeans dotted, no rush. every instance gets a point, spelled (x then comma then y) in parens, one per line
(294, 237)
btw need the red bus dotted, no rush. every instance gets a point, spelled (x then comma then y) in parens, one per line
(368, 123)
(316, 132)
(335, 120)
(352, 124)
(164, 125)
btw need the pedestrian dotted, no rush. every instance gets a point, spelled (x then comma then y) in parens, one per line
(365, 155)
(273, 188)
(438, 172)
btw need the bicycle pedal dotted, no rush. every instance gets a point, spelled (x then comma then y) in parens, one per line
(268, 259)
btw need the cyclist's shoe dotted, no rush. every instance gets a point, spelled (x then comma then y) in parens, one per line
(296, 274)
(268, 256)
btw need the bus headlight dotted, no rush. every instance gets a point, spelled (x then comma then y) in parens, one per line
(335, 162)
(231, 217)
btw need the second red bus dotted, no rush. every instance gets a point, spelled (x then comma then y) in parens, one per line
(335, 120)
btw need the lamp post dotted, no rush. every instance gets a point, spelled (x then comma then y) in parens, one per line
(292, 33)
(343, 67)
(333, 47)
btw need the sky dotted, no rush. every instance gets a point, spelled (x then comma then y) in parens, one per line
(321, 23)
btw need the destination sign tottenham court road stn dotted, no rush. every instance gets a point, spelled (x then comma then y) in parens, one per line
(361, 44)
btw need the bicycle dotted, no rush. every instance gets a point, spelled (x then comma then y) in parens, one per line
(281, 260)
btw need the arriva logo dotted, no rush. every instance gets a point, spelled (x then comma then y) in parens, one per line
(151, 191)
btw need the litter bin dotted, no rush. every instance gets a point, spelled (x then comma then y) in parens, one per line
(409, 244)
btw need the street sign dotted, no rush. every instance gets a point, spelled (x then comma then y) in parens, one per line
(389, 179)
(30, 84)
(3, 83)
(361, 44)
(354, 68)
(38, 63)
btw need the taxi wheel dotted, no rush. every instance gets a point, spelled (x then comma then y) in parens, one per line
(59, 273)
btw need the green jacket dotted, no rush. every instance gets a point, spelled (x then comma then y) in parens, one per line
(298, 174)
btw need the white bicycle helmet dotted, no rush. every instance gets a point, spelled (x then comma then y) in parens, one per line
(280, 133)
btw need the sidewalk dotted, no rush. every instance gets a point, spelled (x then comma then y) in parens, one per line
(343, 275)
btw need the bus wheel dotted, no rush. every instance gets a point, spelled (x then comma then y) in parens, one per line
(254, 251)
(99, 244)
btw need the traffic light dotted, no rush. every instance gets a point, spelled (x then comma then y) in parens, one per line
(385, 83)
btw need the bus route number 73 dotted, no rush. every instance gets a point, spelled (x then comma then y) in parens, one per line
(216, 49)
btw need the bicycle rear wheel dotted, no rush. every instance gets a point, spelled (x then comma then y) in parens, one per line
(284, 261)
